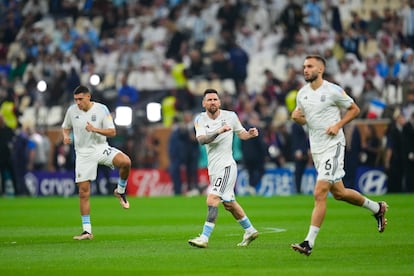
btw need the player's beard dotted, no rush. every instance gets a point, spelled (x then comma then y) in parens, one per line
(212, 110)
(312, 77)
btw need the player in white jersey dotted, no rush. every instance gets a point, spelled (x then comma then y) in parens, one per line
(214, 129)
(91, 123)
(319, 104)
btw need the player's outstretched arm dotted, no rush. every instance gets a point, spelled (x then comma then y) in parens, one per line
(251, 133)
(206, 139)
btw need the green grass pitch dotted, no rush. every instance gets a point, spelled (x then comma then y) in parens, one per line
(151, 238)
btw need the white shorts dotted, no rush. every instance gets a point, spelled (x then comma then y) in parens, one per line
(222, 183)
(86, 166)
(330, 164)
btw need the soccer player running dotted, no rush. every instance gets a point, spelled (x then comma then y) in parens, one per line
(91, 123)
(319, 105)
(215, 128)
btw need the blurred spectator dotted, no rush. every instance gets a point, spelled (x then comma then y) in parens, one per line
(334, 13)
(344, 76)
(368, 47)
(30, 84)
(42, 149)
(5, 67)
(72, 81)
(385, 38)
(271, 89)
(18, 68)
(197, 68)
(6, 165)
(145, 77)
(176, 147)
(11, 23)
(350, 42)
(131, 55)
(66, 42)
(23, 158)
(57, 91)
(370, 148)
(389, 70)
(408, 150)
(149, 149)
(191, 154)
(34, 10)
(127, 94)
(332, 64)
(407, 66)
(407, 18)
(357, 85)
(177, 43)
(64, 157)
(228, 14)
(393, 160)
(64, 8)
(91, 34)
(198, 28)
(369, 93)
(352, 154)
(408, 106)
(238, 63)
(312, 13)
(8, 109)
(168, 108)
(220, 65)
(257, 17)
(371, 72)
(178, 73)
(109, 22)
(374, 22)
(291, 18)
(338, 50)
(358, 24)
(278, 140)
(300, 151)
(251, 41)
(254, 153)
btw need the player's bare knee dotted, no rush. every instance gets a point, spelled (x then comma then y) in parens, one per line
(123, 161)
(84, 193)
(212, 200)
(127, 162)
(319, 197)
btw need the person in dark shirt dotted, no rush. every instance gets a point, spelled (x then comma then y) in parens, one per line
(300, 150)
(254, 155)
(393, 162)
(408, 150)
(6, 166)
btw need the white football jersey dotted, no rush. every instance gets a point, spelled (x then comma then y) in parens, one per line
(322, 108)
(220, 151)
(98, 115)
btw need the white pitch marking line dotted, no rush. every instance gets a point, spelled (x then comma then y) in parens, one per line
(268, 230)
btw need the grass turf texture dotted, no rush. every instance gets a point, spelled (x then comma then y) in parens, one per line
(151, 238)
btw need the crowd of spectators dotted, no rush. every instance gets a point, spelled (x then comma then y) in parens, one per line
(170, 50)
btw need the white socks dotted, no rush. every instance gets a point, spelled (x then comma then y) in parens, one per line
(371, 205)
(313, 232)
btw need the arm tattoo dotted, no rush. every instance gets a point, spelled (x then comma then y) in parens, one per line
(208, 138)
(212, 214)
